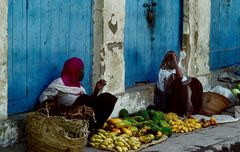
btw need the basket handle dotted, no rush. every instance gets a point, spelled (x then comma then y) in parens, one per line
(46, 109)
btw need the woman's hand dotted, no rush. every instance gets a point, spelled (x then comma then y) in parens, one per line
(100, 84)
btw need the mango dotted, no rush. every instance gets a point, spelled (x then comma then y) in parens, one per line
(127, 131)
(114, 121)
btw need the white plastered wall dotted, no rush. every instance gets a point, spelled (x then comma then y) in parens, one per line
(108, 56)
(3, 59)
(196, 39)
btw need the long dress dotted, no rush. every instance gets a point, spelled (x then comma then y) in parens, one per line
(102, 105)
(175, 99)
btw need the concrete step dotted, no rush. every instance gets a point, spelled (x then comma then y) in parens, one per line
(13, 130)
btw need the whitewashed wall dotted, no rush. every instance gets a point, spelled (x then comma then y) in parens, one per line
(3, 59)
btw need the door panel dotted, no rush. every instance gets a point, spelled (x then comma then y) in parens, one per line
(42, 35)
(145, 46)
(225, 33)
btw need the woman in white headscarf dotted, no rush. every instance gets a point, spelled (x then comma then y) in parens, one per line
(175, 92)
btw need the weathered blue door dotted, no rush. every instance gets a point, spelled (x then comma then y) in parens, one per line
(42, 35)
(225, 33)
(146, 45)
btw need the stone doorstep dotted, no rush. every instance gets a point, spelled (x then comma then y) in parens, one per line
(13, 130)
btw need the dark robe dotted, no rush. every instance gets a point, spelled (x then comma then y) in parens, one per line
(102, 105)
(175, 99)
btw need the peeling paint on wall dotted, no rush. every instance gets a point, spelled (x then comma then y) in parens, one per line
(113, 26)
(3, 58)
(196, 36)
(109, 56)
(98, 50)
(111, 46)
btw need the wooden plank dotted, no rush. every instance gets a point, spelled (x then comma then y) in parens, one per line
(17, 90)
(46, 75)
(227, 57)
(172, 24)
(33, 53)
(227, 24)
(214, 59)
(80, 37)
(47, 60)
(224, 36)
(55, 38)
(214, 35)
(167, 35)
(159, 44)
(19, 47)
(130, 42)
(214, 25)
(143, 56)
(10, 49)
(236, 5)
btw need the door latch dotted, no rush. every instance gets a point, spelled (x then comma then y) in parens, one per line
(150, 12)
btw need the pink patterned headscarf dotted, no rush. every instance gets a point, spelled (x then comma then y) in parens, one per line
(71, 72)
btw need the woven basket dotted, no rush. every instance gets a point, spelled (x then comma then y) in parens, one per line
(214, 103)
(56, 133)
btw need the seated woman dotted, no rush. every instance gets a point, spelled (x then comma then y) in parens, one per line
(175, 92)
(67, 90)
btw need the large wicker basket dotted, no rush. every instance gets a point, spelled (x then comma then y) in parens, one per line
(56, 133)
(214, 103)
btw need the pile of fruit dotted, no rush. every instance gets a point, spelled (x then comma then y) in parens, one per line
(188, 124)
(130, 131)
(206, 123)
(106, 140)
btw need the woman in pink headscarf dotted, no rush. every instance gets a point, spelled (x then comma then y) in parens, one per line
(67, 90)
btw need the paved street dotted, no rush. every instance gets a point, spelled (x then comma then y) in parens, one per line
(219, 138)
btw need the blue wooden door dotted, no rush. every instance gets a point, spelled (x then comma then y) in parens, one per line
(146, 45)
(225, 33)
(42, 35)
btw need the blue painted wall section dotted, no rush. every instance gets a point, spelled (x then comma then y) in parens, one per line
(225, 33)
(42, 35)
(145, 46)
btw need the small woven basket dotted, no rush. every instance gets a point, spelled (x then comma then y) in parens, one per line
(56, 133)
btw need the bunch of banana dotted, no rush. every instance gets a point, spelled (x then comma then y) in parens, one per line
(171, 116)
(102, 139)
(187, 125)
(109, 141)
(124, 143)
(182, 126)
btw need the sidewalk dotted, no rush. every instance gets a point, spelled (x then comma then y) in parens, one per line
(221, 138)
